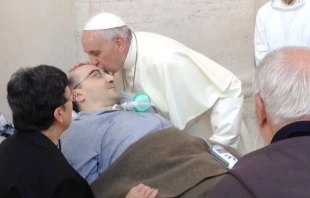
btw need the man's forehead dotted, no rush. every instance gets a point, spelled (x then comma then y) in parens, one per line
(86, 35)
(83, 70)
(91, 36)
(92, 41)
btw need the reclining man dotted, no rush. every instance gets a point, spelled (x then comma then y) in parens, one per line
(115, 150)
(99, 134)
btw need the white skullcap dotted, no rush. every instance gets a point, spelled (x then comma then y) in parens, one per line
(104, 21)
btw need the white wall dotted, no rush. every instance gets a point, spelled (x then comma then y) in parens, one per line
(34, 32)
(259, 3)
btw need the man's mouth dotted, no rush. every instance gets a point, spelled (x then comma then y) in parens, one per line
(111, 87)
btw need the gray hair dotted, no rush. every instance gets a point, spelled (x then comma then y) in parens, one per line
(282, 80)
(110, 34)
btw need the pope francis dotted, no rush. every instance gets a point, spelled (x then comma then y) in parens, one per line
(196, 94)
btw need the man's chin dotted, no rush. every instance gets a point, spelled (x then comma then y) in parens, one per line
(116, 97)
(113, 89)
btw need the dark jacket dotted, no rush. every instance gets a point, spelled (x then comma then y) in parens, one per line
(31, 166)
(281, 169)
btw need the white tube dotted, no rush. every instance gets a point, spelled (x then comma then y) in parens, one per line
(129, 106)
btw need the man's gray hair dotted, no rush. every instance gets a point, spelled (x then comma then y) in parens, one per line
(282, 79)
(110, 34)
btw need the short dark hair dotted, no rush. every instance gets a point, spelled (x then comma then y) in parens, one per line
(33, 94)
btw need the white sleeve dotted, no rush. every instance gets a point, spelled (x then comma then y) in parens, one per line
(260, 39)
(226, 115)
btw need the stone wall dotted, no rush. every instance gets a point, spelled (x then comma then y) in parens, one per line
(31, 33)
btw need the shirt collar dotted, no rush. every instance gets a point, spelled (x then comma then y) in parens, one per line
(36, 138)
(296, 129)
(131, 55)
(83, 114)
(289, 3)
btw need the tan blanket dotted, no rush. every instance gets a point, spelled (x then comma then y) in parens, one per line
(177, 164)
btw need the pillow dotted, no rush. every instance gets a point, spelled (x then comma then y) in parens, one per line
(74, 115)
(1, 138)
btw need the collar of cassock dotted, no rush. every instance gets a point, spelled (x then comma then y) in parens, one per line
(289, 3)
(296, 129)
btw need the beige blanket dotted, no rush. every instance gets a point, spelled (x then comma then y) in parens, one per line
(177, 164)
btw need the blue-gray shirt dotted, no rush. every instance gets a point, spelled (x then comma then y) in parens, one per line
(96, 139)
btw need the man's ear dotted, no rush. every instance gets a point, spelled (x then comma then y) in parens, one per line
(260, 111)
(58, 114)
(78, 95)
(121, 44)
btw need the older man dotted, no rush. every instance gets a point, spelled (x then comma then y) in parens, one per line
(99, 134)
(185, 86)
(281, 169)
(281, 23)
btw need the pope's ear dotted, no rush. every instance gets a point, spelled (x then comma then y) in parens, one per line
(121, 44)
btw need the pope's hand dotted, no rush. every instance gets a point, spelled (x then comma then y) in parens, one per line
(78, 65)
(213, 142)
(142, 191)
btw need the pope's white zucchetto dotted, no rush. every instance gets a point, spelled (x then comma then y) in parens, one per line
(104, 21)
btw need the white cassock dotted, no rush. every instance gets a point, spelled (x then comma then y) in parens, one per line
(196, 94)
(278, 25)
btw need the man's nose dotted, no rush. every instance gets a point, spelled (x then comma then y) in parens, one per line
(109, 78)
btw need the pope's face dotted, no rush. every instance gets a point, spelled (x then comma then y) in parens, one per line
(103, 53)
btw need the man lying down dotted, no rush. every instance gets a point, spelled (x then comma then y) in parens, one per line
(99, 135)
(115, 150)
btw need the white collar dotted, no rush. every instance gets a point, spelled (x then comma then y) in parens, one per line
(290, 3)
(280, 5)
(131, 55)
